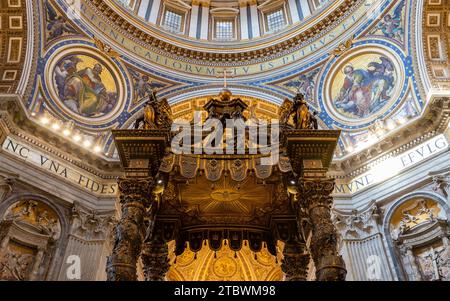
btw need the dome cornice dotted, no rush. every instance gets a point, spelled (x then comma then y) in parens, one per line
(214, 51)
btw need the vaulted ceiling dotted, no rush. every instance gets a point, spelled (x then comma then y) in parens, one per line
(43, 39)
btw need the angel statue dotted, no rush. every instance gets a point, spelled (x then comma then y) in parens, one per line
(157, 113)
(303, 119)
(285, 111)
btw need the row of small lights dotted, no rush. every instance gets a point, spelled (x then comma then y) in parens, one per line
(87, 143)
(68, 130)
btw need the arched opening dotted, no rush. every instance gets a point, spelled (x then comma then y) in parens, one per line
(418, 230)
(29, 233)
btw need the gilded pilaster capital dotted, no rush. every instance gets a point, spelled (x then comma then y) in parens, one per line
(244, 3)
(204, 3)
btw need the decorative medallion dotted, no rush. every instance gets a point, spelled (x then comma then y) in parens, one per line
(85, 85)
(225, 267)
(363, 84)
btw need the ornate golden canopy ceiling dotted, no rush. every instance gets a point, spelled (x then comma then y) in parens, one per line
(225, 265)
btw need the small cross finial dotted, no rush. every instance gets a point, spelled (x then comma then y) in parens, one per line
(226, 75)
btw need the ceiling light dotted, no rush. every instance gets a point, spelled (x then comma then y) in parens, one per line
(66, 132)
(69, 128)
(97, 149)
(77, 138)
(87, 143)
(56, 126)
(45, 120)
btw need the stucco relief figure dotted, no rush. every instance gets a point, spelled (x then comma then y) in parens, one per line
(434, 265)
(441, 184)
(366, 90)
(85, 86)
(35, 213)
(15, 267)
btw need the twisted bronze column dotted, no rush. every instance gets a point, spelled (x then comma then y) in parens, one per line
(317, 200)
(135, 195)
(155, 260)
(295, 261)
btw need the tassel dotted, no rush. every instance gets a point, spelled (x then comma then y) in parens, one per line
(175, 261)
(206, 243)
(276, 260)
(195, 256)
(235, 255)
(225, 243)
(215, 255)
(256, 256)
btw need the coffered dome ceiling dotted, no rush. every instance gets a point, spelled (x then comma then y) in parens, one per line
(359, 63)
